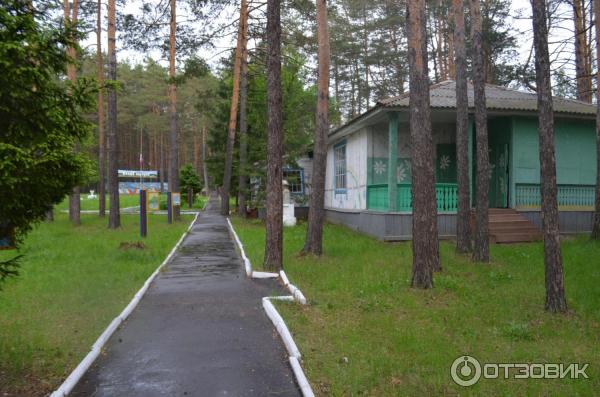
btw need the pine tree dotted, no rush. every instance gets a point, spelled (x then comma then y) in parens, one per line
(71, 12)
(274, 203)
(555, 290)
(596, 222)
(316, 216)
(463, 228)
(425, 237)
(481, 251)
(233, 112)
(101, 137)
(174, 149)
(114, 218)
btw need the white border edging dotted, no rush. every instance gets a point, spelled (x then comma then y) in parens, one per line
(283, 330)
(301, 378)
(71, 381)
(276, 318)
(247, 263)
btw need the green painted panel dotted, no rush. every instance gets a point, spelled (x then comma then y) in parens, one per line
(575, 197)
(377, 197)
(575, 151)
(378, 170)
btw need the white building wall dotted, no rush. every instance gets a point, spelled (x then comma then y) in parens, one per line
(355, 197)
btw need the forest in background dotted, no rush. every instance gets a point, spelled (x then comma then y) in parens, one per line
(368, 63)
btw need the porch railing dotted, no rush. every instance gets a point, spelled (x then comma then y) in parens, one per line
(377, 197)
(527, 195)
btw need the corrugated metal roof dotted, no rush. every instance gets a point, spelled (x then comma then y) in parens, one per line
(443, 95)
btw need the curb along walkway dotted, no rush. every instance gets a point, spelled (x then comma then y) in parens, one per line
(200, 330)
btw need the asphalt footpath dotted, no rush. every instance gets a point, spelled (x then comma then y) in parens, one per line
(200, 330)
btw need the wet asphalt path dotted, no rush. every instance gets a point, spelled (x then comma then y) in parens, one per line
(200, 330)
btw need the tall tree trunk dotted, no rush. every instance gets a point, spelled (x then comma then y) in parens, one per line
(274, 221)
(242, 185)
(101, 137)
(196, 148)
(440, 46)
(463, 232)
(555, 291)
(316, 215)
(174, 151)
(70, 14)
(204, 165)
(336, 73)
(233, 112)
(451, 53)
(366, 57)
(114, 217)
(161, 163)
(582, 53)
(481, 252)
(596, 224)
(425, 245)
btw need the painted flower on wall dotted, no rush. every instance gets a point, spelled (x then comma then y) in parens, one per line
(444, 162)
(379, 167)
(401, 172)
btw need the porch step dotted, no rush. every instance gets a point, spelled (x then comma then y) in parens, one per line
(509, 226)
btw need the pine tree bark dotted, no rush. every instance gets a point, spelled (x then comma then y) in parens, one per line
(174, 147)
(71, 14)
(596, 222)
(555, 291)
(274, 203)
(463, 229)
(161, 163)
(451, 53)
(233, 112)
(481, 252)
(583, 70)
(316, 214)
(242, 183)
(101, 137)
(114, 217)
(425, 236)
(204, 165)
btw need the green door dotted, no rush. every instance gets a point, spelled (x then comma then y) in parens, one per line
(445, 163)
(498, 175)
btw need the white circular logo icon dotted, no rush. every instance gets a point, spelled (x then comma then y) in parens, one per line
(465, 371)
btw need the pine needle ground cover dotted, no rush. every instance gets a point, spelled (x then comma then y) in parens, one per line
(365, 332)
(73, 282)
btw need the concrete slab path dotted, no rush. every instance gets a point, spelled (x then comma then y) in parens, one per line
(200, 330)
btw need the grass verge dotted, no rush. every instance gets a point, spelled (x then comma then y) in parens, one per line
(125, 200)
(366, 332)
(73, 282)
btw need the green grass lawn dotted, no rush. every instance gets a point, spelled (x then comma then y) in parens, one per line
(125, 200)
(73, 282)
(130, 200)
(199, 202)
(401, 341)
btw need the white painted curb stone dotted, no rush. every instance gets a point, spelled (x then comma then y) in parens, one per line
(264, 275)
(301, 378)
(295, 291)
(247, 264)
(89, 359)
(276, 318)
(283, 330)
